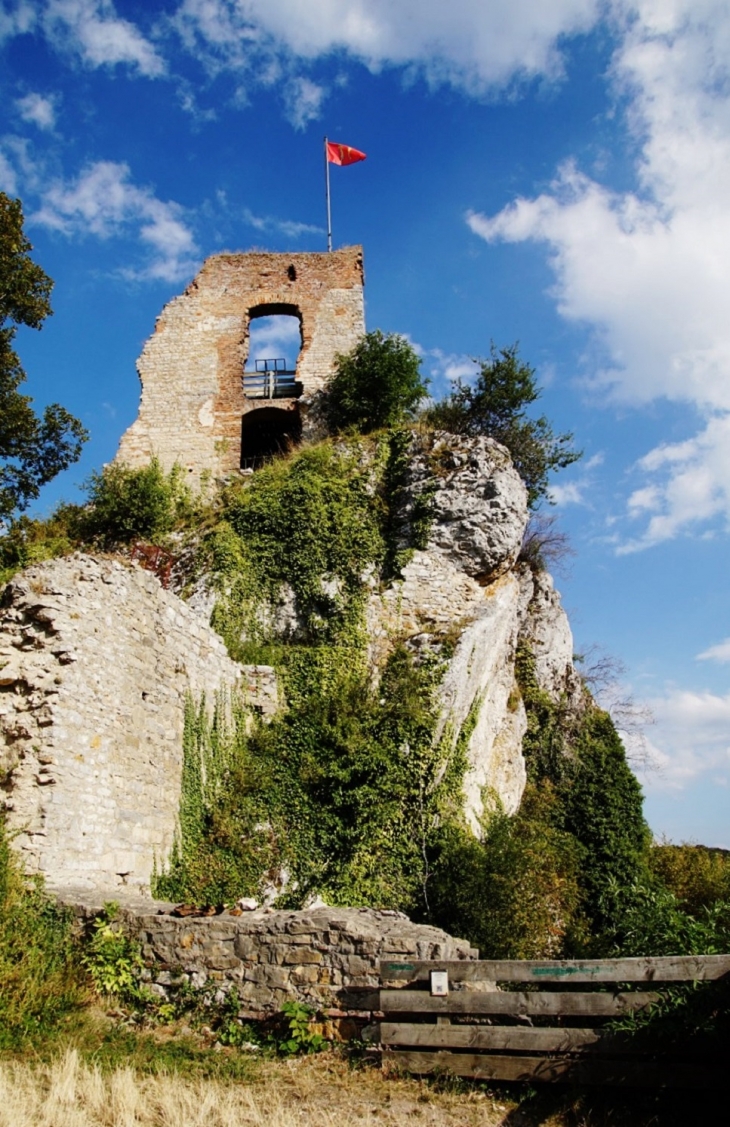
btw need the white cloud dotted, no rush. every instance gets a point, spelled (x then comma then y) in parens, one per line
(649, 270)
(691, 739)
(38, 110)
(720, 652)
(693, 490)
(274, 337)
(8, 177)
(17, 20)
(303, 101)
(475, 44)
(103, 201)
(291, 228)
(90, 29)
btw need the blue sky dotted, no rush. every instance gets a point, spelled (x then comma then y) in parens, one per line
(557, 174)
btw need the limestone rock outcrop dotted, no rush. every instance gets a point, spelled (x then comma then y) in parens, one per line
(467, 585)
(96, 660)
(478, 502)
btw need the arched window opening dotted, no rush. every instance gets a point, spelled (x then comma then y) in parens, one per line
(266, 432)
(275, 341)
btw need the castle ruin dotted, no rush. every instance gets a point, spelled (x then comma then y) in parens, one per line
(203, 405)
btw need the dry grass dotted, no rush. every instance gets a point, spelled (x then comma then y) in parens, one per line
(298, 1093)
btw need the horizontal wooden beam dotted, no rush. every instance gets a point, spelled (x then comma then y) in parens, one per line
(568, 1003)
(498, 1038)
(671, 968)
(643, 1074)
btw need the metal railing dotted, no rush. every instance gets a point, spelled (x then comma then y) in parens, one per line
(271, 380)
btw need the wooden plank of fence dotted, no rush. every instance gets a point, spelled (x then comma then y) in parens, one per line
(674, 968)
(501, 1037)
(591, 1071)
(515, 1003)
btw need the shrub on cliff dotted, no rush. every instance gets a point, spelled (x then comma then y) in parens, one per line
(377, 384)
(495, 405)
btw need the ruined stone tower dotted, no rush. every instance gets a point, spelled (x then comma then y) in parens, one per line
(202, 405)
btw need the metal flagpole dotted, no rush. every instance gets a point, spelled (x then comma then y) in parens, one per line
(329, 209)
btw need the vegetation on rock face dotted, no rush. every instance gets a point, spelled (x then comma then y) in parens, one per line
(33, 449)
(495, 405)
(343, 789)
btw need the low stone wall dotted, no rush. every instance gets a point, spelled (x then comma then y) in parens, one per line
(327, 957)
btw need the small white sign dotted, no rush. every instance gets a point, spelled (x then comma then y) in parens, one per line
(439, 983)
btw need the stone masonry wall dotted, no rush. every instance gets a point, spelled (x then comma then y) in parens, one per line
(192, 366)
(324, 956)
(96, 660)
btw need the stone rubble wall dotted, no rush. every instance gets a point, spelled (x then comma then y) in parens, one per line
(191, 368)
(96, 660)
(326, 957)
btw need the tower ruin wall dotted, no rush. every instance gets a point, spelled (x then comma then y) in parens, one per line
(191, 368)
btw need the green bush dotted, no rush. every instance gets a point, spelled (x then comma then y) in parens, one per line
(377, 384)
(602, 808)
(698, 876)
(135, 504)
(29, 541)
(515, 894)
(40, 979)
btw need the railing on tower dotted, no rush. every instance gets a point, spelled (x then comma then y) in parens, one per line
(271, 380)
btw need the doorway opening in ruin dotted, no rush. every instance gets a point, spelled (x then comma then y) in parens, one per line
(275, 341)
(266, 432)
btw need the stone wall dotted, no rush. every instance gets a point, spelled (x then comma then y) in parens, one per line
(96, 660)
(327, 957)
(191, 368)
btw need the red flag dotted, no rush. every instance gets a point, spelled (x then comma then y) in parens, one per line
(343, 154)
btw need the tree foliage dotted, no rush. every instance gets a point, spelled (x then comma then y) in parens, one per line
(377, 384)
(495, 406)
(33, 449)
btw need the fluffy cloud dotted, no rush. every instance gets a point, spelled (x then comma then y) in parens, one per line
(691, 738)
(103, 201)
(689, 485)
(471, 43)
(17, 20)
(720, 652)
(276, 336)
(90, 29)
(649, 270)
(303, 101)
(38, 110)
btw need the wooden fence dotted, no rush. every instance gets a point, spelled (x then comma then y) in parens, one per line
(538, 1020)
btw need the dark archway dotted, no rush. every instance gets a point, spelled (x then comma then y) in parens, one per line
(267, 432)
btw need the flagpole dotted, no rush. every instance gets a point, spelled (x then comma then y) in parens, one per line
(329, 208)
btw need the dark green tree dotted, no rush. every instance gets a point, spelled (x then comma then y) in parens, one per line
(377, 384)
(495, 406)
(33, 449)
